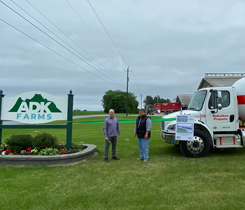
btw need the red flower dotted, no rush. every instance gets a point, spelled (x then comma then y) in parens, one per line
(28, 149)
(62, 152)
(8, 150)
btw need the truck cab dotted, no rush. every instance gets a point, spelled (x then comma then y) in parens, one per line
(216, 122)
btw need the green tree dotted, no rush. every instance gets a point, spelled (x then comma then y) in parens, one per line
(149, 100)
(152, 100)
(157, 99)
(118, 103)
(116, 99)
(132, 103)
(162, 100)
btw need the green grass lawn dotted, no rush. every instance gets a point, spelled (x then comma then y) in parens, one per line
(167, 181)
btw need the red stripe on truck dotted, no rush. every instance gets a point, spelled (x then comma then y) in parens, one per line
(220, 141)
(241, 99)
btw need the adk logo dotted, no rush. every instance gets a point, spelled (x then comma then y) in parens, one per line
(36, 108)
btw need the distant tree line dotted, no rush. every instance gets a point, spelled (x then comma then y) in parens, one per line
(152, 100)
(116, 99)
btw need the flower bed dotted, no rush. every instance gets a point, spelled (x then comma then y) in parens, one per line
(43, 149)
(42, 144)
(59, 149)
(87, 152)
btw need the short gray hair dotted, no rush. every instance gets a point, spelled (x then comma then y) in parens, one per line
(111, 110)
(142, 110)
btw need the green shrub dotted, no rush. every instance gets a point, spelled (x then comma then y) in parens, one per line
(16, 143)
(49, 151)
(77, 146)
(44, 140)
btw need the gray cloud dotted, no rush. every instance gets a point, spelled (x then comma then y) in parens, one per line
(169, 45)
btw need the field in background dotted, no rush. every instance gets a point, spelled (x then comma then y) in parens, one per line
(167, 181)
(78, 112)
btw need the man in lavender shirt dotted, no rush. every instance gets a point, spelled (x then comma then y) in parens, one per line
(111, 131)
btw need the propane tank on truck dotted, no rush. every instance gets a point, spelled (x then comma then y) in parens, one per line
(240, 91)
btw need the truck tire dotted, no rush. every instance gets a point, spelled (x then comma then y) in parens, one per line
(199, 147)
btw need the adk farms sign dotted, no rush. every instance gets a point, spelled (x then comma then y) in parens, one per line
(34, 107)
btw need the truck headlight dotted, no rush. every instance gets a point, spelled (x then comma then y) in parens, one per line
(171, 127)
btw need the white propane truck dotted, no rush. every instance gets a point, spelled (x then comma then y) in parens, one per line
(218, 113)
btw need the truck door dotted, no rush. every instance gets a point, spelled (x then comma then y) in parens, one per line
(221, 120)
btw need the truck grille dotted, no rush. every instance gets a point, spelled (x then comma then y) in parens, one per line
(163, 125)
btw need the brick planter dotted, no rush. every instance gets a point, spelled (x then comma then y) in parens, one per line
(36, 160)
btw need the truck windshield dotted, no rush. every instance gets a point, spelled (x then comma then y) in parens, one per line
(197, 100)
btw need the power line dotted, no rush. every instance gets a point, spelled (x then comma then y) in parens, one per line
(69, 38)
(92, 33)
(52, 50)
(56, 40)
(52, 32)
(107, 32)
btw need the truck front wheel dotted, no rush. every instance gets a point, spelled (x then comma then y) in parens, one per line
(198, 147)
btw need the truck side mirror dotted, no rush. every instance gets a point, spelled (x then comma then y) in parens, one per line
(219, 100)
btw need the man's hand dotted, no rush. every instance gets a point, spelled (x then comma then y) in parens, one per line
(146, 136)
(107, 139)
(118, 136)
(134, 134)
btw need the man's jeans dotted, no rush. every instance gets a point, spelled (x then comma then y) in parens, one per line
(113, 141)
(143, 145)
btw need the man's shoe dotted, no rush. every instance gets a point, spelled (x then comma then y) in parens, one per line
(116, 158)
(106, 160)
(145, 160)
(140, 159)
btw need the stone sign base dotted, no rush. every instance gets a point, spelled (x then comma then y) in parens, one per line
(36, 160)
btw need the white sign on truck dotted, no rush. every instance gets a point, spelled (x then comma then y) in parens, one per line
(184, 127)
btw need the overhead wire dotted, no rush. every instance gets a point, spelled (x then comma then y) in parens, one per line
(53, 33)
(107, 32)
(55, 40)
(71, 39)
(52, 50)
(93, 33)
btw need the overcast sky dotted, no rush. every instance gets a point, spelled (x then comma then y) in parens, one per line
(168, 45)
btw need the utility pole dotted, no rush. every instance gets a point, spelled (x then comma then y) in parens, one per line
(127, 92)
